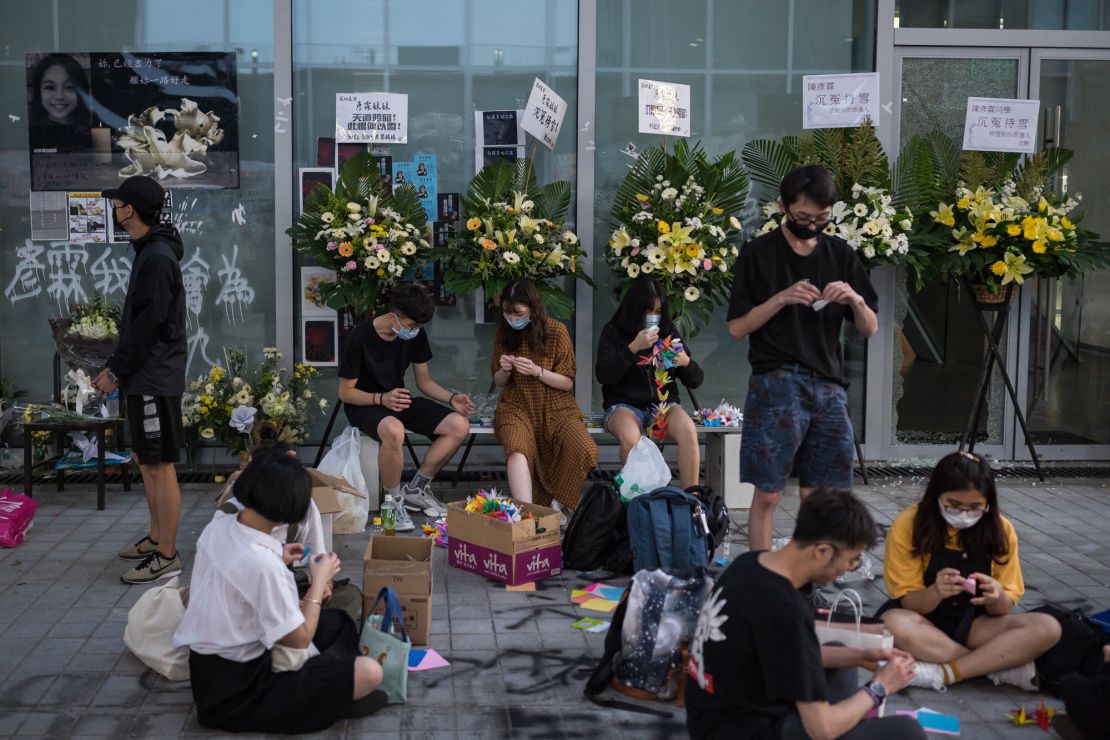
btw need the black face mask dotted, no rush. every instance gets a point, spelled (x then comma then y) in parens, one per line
(802, 232)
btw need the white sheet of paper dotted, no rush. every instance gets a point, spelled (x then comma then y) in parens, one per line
(840, 101)
(664, 108)
(543, 116)
(819, 304)
(1001, 125)
(371, 118)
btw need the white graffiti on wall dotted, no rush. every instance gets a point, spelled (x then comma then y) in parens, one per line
(110, 273)
(181, 218)
(235, 290)
(64, 280)
(27, 282)
(194, 277)
(199, 340)
(239, 215)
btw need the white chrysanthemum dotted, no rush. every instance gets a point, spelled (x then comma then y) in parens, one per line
(372, 263)
(511, 257)
(327, 217)
(408, 249)
(692, 294)
(860, 209)
(633, 270)
(734, 222)
(669, 194)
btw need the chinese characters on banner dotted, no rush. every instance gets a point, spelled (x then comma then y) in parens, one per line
(543, 116)
(98, 118)
(372, 118)
(840, 101)
(664, 108)
(1001, 125)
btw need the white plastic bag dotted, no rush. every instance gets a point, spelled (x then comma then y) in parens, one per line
(284, 658)
(644, 470)
(150, 627)
(343, 460)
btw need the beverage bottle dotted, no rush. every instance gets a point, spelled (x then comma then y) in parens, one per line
(113, 404)
(389, 516)
(376, 529)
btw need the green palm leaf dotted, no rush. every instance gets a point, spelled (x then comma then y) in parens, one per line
(768, 161)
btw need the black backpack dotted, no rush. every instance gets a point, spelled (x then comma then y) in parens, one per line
(597, 534)
(716, 513)
(1079, 649)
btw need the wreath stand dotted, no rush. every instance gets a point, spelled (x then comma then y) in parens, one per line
(999, 304)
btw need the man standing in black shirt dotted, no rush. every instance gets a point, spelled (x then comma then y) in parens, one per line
(792, 290)
(757, 669)
(149, 364)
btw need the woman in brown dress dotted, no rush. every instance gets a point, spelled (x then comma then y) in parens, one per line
(547, 448)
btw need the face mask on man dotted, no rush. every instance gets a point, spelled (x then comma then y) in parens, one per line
(960, 519)
(517, 324)
(406, 333)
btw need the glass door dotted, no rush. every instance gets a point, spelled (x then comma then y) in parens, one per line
(938, 342)
(1065, 375)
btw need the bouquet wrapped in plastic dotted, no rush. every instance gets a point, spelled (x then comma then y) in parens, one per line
(88, 336)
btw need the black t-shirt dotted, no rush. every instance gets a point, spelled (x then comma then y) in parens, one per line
(755, 655)
(380, 364)
(797, 334)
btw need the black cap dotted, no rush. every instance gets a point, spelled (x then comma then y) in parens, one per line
(143, 193)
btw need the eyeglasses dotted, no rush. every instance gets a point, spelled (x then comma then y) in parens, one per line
(972, 509)
(854, 563)
(813, 222)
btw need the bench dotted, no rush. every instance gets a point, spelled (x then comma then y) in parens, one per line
(722, 459)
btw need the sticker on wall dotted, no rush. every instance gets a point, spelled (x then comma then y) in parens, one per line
(98, 118)
(320, 342)
(424, 180)
(49, 217)
(664, 108)
(312, 178)
(840, 101)
(1001, 125)
(312, 302)
(497, 135)
(543, 115)
(372, 118)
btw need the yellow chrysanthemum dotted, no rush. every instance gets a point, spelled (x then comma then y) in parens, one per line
(664, 227)
(1066, 223)
(642, 198)
(1039, 247)
(473, 224)
(988, 241)
(1013, 230)
(999, 268)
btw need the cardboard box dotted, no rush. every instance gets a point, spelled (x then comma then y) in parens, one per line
(509, 552)
(324, 487)
(404, 564)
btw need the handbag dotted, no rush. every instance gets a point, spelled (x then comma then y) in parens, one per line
(858, 632)
(150, 627)
(283, 658)
(381, 642)
(17, 515)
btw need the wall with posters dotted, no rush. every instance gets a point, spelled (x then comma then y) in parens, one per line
(190, 102)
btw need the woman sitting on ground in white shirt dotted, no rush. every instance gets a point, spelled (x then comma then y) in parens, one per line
(243, 601)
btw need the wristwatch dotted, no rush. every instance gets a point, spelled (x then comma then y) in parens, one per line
(877, 692)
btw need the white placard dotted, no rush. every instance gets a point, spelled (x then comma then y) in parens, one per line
(543, 116)
(1001, 125)
(840, 101)
(371, 118)
(664, 108)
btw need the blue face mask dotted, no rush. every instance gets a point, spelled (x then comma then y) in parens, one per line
(519, 323)
(405, 333)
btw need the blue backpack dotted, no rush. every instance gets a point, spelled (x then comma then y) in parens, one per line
(669, 530)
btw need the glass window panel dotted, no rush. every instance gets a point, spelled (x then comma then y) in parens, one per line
(228, 249)
(475, 56)
(751, 88)
(935, 91)
(1048, 15)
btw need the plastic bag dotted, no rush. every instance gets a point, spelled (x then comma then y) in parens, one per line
(865, 571)
(150, 627)
(17, 515)
(343, 460)
(81, 353)
(643, 471)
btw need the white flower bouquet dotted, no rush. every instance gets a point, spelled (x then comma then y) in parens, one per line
(88, 336)
(673, 218)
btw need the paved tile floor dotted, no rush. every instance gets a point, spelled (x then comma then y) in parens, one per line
(517, 666)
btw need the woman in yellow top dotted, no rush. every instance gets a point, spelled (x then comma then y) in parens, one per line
(547, 448)
(954, 577)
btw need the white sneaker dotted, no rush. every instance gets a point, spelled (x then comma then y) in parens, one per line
(423, 500)
(1023, 676)
(402, 522)
(559, 510)
(928, 676)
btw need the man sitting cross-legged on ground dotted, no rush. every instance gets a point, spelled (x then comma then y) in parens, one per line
(372, 389)
(757, 668)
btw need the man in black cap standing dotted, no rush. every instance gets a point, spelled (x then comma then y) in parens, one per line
(149, 365)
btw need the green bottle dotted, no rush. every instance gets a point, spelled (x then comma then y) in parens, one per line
(389, 516)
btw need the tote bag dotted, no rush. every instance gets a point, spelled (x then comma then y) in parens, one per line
(382, 643)
(150, 627)
(858, 632)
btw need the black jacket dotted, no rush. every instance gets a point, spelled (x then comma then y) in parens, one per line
(150, 358)
(624, 381)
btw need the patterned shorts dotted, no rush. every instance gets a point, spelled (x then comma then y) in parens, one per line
(795, 419)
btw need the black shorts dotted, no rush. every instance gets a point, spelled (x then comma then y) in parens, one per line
(156, 430)
(422, 417)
